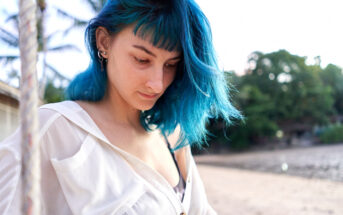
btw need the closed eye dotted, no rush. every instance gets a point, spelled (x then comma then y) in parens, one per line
(141, 61)
(171, 65)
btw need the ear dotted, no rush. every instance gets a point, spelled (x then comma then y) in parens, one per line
(103, 39)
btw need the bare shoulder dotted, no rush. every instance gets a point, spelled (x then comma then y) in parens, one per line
(173, 138)
(181, 153)
(85, 105)
(92, 108)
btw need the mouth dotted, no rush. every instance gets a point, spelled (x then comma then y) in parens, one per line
(148, 96)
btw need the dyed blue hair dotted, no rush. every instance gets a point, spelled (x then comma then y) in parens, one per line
(199, 90)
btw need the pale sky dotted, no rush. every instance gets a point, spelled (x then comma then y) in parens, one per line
(302, 27)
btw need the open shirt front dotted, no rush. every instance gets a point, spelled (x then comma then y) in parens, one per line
(83, 173)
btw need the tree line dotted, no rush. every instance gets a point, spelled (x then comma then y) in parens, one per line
(282, 97)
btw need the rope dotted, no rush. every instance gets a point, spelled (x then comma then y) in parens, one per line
(28, 108)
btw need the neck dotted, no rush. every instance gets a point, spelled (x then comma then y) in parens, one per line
(120, 112)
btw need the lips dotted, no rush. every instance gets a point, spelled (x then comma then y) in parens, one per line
(148, 96)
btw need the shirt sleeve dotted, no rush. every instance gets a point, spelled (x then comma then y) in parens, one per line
(199, 204)
(210, 210)
(10, 167)
(52, 128)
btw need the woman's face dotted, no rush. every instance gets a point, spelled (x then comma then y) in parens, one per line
(138, 73)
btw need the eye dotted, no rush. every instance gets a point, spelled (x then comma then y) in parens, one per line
(141, 61)
(170, 65)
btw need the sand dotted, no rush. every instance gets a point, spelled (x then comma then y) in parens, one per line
(244, 192)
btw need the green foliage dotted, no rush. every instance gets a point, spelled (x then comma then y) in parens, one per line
(258, 109)
(280, 90)
(332, 134)
(333, 76)
(53, 94)
(295, 88)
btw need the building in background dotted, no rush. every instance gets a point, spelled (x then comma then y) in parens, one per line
(9, 109)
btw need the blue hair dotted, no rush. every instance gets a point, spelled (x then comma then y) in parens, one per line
(198, 92)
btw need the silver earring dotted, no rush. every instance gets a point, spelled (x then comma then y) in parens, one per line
(101, 59)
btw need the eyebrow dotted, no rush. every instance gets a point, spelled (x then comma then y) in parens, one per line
(152, 54)
(145, 50)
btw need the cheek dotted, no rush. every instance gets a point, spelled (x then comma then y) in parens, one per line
(122, 74)
(169, 78)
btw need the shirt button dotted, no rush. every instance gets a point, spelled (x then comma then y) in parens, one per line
(183, 213)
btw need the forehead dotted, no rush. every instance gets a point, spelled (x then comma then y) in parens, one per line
(128, 36)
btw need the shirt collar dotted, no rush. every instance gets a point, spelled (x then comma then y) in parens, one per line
(76, 114)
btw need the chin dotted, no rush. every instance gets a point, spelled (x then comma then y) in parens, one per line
(144, 106)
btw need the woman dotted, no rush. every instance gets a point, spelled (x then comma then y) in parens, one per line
(121, 144)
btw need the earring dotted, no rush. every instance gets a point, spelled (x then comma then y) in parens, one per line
(101, 59)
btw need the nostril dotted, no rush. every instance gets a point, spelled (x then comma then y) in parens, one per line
(155, 86)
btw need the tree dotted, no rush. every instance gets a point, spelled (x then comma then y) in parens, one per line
(11, 40)
(332, 76)
(280, 92)
(53, 93)
(296, 88)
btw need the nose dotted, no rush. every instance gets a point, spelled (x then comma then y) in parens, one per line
(155, 80)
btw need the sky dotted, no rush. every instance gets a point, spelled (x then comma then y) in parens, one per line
(302, 27)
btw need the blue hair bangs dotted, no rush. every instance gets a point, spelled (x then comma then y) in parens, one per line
(199, 90)
(162, 31)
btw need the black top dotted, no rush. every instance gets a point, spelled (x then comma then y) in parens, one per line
(180, 187)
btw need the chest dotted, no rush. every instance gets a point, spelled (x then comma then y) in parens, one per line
(151, 150)
(149, 147)
(98, 179)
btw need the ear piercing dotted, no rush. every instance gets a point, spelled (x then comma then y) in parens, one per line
(102, 60)
(100, 53)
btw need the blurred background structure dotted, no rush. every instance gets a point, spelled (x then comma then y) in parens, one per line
(283, 62)
(9, 109)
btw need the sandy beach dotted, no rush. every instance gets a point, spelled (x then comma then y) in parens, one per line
(233, 191)
(242, 192)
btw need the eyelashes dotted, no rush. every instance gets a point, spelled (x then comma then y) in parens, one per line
(142, 61)
(171, 65)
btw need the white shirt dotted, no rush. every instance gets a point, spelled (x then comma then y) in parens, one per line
(83, 173)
